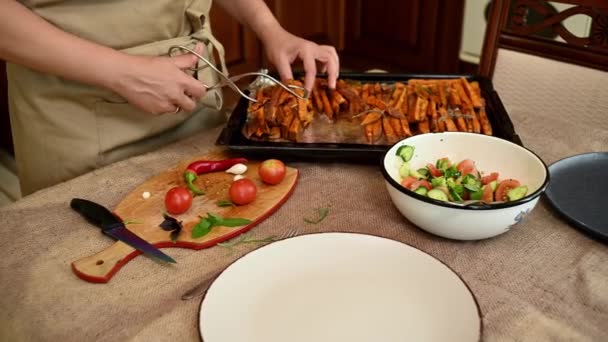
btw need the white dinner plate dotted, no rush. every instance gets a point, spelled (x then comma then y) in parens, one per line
(338, 287)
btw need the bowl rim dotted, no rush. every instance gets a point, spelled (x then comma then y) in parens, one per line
(429, 200)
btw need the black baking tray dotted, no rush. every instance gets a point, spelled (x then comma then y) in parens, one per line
(233, 138)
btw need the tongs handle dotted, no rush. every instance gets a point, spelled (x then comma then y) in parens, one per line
(229, 81)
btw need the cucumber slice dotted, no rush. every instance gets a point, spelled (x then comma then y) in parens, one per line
(471, 188)
(437, 195)
(455, 196)
(406, 152)
(494, 185)
(470, 180)
(404, 170)
(517, 193)
(416, 174)
(442, 164)
(439, 181)
(477, 195)
(421, 191)
(424, 172)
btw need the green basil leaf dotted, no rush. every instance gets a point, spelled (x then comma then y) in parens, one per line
(215, 219)
(202, 228)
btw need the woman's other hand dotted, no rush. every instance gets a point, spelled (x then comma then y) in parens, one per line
(283, 48)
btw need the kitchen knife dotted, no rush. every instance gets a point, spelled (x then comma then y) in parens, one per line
(114, 227)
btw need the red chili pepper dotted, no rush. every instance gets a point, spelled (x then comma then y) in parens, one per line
(204, 166)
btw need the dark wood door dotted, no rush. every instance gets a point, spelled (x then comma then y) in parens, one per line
(320, 21)
(241, 45)
(412, 36)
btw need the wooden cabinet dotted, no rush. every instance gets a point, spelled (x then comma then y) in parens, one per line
(410, 36)
(321, 21)
(241, 45)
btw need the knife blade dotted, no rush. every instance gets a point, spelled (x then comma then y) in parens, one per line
(112, 226)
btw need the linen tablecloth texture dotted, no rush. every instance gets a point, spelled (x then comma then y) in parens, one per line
(541, 281)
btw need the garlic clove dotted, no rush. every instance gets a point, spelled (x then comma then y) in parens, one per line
(145, 195)
(237, 177)
(237, 169)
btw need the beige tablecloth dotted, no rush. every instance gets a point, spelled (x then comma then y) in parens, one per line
(541, 281)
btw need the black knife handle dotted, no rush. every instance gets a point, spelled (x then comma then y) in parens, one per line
(94, 213)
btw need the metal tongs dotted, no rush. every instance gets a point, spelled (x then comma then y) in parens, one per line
(229, 81)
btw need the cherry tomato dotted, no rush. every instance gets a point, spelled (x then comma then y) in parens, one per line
(272, 171)
(466, 167)
(407, 181)
(178, 200)
(503, 188)
(489, 178)
(242, 191)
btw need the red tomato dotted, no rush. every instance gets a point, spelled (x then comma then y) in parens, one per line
(242, 191)
(433, 170)
(489, 178)
(178, 200)
(407, 181)
(272, 171)
(423, 182)
(466, 167)
(503, 188)
(488, 195)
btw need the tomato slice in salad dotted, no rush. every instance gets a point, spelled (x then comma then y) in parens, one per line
(407, 181)
(467, 167)
(489, 178)
(503, 188)
(433, 170)
(488, 194)
(418, 183)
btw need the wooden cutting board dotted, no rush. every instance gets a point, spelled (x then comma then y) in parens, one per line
(148, 213)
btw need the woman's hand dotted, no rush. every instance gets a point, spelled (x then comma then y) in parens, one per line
(160, 85)
(282, 49)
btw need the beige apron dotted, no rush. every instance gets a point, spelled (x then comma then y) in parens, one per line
(63, 128)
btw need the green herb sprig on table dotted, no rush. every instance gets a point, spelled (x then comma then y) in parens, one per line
(207, 223)
(244, 239)
(322, 215)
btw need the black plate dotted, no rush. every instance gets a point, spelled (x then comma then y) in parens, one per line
(578, 189)
(232, 137)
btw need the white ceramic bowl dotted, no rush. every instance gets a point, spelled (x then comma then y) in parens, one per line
(490, 154)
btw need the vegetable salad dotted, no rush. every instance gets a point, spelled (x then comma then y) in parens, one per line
(445, 180)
